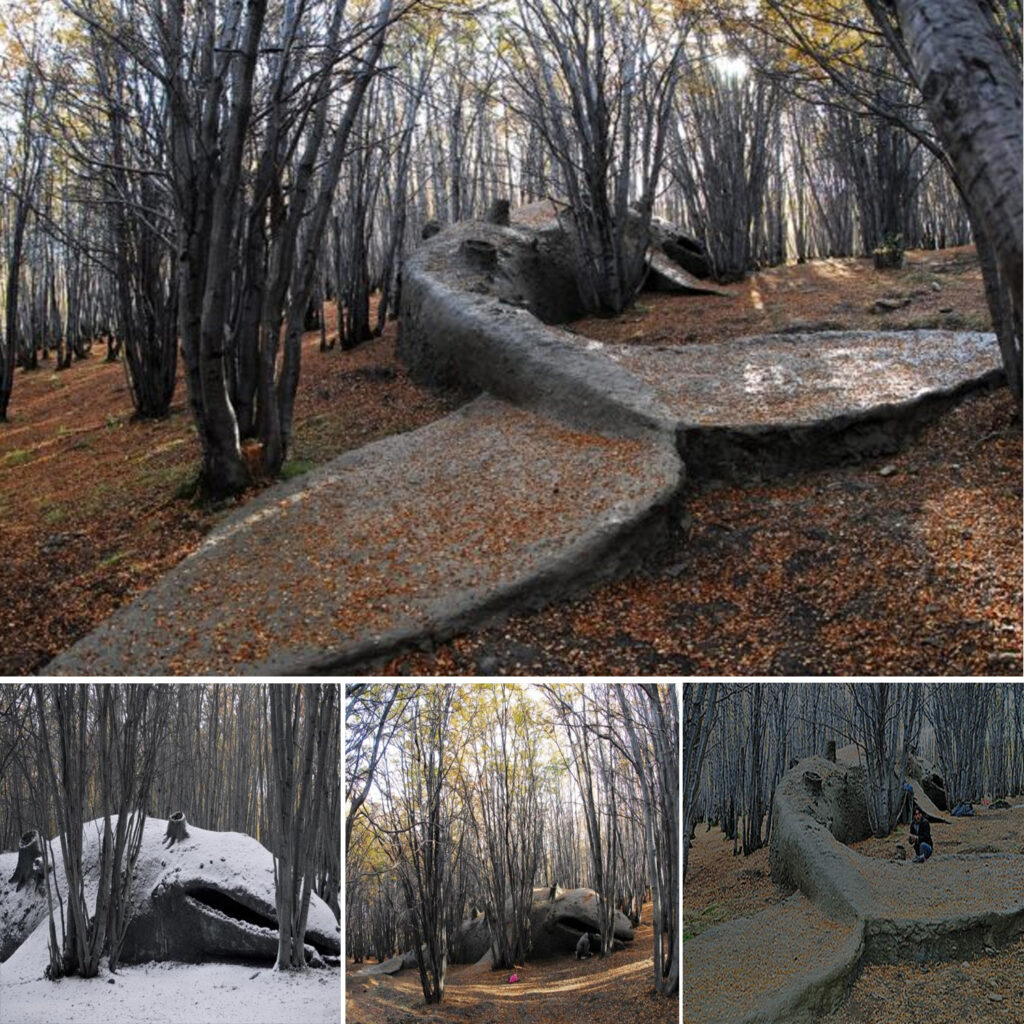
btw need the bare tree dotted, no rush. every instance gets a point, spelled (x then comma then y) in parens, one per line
(699, 721)
(369, 711)
(303, 755)
(28, 156)
(651, 716)
(596, 83)
(960, 715)
(968, 67)
(885, 723)
(508, 821)
(583, 718)
(421, 834)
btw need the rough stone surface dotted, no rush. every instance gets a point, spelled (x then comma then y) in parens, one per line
(869, 910)
(556, 926)
(665, 275)
(789, 963)
(685, 251)
(770, 404)
(488, 330)
(409, 540)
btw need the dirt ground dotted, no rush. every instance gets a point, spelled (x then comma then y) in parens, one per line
(949, 993)
(556, 991)
(720, 887)
(940, 289)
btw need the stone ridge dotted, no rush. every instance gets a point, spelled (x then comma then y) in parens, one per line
(407, 541)
(565, 471)
(479, 302)
(848, 910)
(474, 321)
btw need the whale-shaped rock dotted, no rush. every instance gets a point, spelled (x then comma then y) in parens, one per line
(209, 896)
(555, 926)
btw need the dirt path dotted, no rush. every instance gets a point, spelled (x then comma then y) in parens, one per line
(558, 991)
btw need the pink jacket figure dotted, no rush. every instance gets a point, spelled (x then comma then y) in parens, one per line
(512, 978)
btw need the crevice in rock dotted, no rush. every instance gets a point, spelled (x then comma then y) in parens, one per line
(220, 901)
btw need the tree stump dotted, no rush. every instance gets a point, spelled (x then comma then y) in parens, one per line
(830, 751)
(177, 828)
(479, 253)
(431, 228)
(30, 848)
(498, 213)
(812, 780)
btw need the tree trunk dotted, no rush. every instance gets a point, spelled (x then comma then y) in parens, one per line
(972, 92)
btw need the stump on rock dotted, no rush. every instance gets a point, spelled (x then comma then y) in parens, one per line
(177, 828)
(30, 851)
(812, 780)
(498, 213)
(479, 253)
(431, 228)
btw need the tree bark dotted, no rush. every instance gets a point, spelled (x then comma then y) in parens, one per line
(972, 92)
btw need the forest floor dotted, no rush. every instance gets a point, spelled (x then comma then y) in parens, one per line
(987, 832)
(94, 505)
(905, 565)
(804, 575)
(720, 887)
(555, 991)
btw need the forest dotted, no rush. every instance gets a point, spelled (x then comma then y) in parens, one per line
(256, 255)
(205, 176)
(896, 807)
(194, 829)
(511, 850)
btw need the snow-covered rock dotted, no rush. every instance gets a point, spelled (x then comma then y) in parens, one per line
(207, 897)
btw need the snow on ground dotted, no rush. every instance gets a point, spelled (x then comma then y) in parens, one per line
(185, 993)
(211, 993)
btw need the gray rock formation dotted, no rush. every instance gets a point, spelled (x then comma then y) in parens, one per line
(958, 905)
(682, 249)
(555, 926)
(477, 302)
(211, 896)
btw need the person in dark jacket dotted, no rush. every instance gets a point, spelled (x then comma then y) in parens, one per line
(583, 947)
(921, 837)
